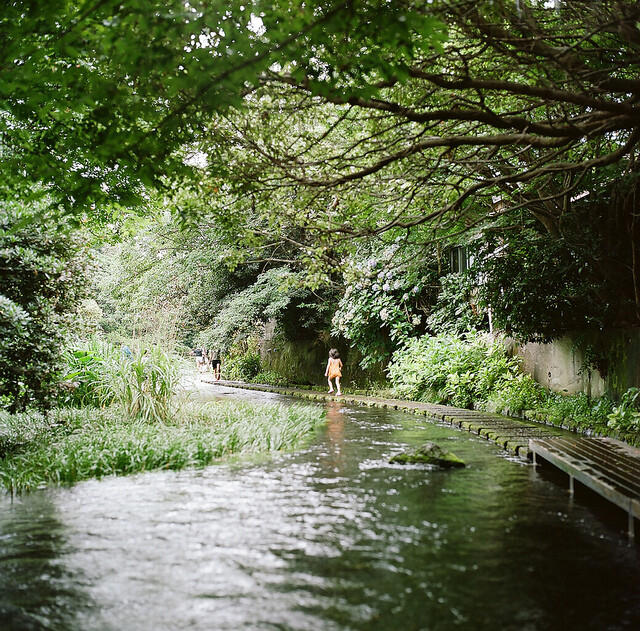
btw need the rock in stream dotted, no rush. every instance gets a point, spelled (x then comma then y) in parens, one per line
(429, 453)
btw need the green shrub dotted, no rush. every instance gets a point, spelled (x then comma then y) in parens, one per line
(626, 416)
(269, 377)
(44, 265)
(146, 387)
(461, 371)
(242, 361)
(575, 410)
(453, 312)
(516, 394)
(83, 374)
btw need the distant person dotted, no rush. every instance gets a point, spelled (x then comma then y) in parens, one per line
(334, 370)
(199, 359)
(214, 358)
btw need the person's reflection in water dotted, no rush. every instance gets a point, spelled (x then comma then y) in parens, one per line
(335, 430)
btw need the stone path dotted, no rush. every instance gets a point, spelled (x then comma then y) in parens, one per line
(511, 434)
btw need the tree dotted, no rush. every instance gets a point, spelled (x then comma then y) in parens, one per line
(522, 100)
(43, 276)
(100, 98)
(524, 107)
(187, 285)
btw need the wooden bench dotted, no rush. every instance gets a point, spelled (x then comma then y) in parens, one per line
(610, 469)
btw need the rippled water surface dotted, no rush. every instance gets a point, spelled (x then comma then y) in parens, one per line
(332, 537)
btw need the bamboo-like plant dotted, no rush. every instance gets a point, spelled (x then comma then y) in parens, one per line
(145, 386)
(144, 383)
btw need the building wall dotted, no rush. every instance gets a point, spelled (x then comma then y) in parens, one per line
(558, 365)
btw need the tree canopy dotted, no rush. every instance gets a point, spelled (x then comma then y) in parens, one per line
(101, 98)
(296, 128)
(522, 100)
(498, 110)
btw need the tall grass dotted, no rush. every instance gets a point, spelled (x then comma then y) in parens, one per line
(145, 385)
(76, 444)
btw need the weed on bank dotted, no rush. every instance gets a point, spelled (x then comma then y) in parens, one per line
(70, 445)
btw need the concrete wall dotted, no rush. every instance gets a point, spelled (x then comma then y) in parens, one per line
(558, 365)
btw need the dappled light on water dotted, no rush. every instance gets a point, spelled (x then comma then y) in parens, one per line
(332, 537)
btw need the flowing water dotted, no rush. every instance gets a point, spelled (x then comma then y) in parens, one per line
(332, 537)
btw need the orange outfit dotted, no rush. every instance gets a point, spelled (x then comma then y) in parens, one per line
(334, 368)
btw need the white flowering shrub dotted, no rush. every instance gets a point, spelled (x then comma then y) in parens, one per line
(385, 303)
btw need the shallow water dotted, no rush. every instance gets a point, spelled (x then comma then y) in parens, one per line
(332, 537)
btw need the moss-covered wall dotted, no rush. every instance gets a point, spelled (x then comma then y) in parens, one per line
(304, 362)
(623, 361)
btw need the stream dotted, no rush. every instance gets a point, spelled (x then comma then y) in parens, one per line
(330, 537)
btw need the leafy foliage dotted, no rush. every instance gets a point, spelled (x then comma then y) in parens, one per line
(191, 286)
(242, 361)
(626, 415)
(44, 276)
(429, 132)
(383, 305)
(463, 372)
(540, 286)
(100, 100)
(575, 411)
(456, 310)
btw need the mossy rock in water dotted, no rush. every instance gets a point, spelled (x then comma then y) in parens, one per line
(429, 453)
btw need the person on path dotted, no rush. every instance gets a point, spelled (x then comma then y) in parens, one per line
(198, 352)
(334, 370)
(214, 358)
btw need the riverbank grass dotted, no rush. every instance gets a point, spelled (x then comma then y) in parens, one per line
(70, 445)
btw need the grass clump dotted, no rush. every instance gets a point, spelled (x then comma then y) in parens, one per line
(145, 383)
(71, 445)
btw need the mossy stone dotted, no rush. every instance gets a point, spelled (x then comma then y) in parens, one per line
(429, 453)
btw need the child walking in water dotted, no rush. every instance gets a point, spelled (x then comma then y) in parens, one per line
(334, 370)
